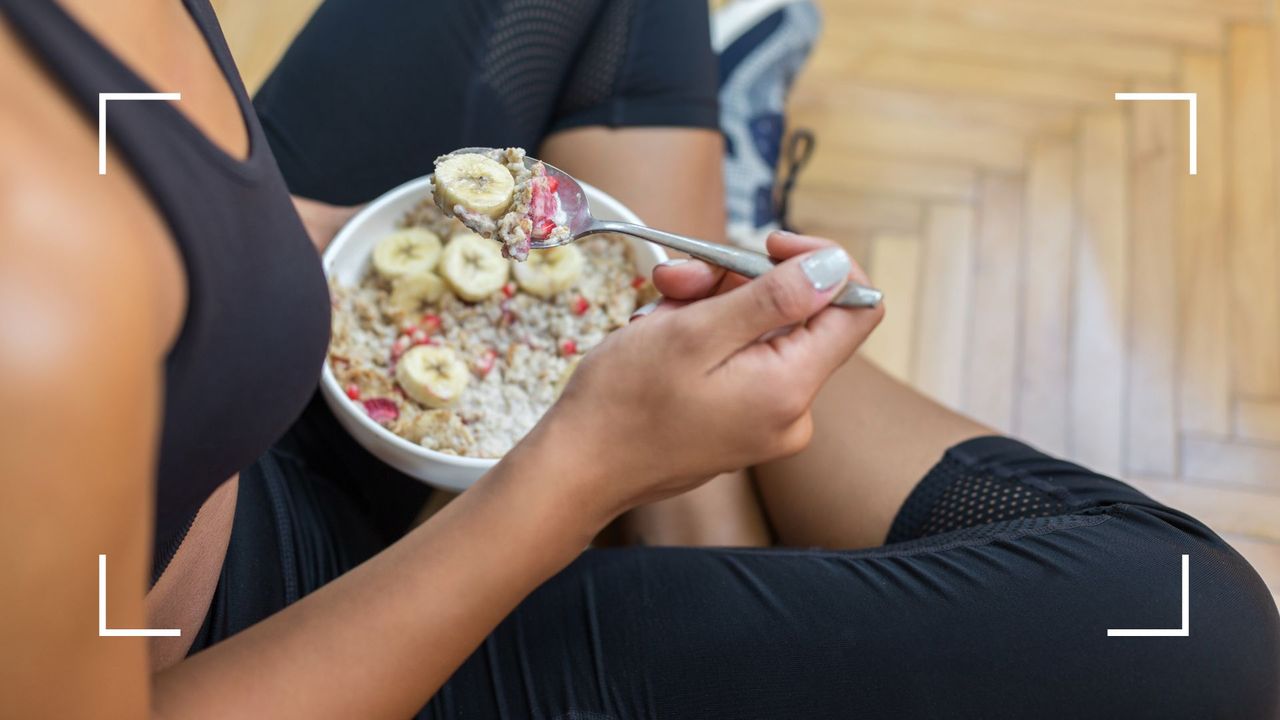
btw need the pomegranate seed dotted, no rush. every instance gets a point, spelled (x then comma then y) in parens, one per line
(431, 323)
(568, 347)
(509, 290)
(638, 281)
(381, 410)
(353, 391)
(486, 361)
(580, 305)
(553, 183)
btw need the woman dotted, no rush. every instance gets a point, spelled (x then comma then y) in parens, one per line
(162, 324)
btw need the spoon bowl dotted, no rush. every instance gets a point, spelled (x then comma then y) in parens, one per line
(578, 219)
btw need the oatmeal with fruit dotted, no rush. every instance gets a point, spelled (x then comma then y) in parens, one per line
(450, 345)
(498, 194)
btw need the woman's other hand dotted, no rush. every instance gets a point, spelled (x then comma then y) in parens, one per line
(719, 376)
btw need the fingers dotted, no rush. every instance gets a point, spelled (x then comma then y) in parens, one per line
(688, 279)
(831, 335)
(782, 245)
(790, 293)
(827, 341)
(684, 279)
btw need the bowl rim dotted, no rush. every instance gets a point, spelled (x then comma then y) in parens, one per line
(329, 382)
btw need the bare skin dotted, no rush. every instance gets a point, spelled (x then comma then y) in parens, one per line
(379, 641)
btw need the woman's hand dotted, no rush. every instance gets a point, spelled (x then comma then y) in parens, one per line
(719, 376)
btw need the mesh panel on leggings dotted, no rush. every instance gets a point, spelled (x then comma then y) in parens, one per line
(525, 60)
(957, 496)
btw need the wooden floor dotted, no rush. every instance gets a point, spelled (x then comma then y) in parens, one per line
(1051, 266)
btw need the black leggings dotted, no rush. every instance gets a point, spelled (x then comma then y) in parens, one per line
(992, 599)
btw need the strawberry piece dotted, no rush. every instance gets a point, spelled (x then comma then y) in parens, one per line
(638, 281)
(509, 290)
(430, 323)
(580, 305)
(568, 347)
(543, 228)
(486, 361)
(353, 391)
(381, 410)
(553, 183)
(543, 202)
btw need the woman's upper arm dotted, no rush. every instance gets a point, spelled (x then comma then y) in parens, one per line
(80, 399)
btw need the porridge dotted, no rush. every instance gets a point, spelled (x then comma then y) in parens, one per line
(452, 346)
(496, 194)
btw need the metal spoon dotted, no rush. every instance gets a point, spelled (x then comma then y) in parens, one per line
(744, 262)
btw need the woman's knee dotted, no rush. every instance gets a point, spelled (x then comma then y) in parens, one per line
(1223, 660)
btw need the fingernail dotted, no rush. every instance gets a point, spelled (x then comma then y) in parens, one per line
(826, 268)
(784, 233)
(644, 310)
(673, 262)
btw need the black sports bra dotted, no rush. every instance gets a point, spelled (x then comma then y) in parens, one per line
(257, 324)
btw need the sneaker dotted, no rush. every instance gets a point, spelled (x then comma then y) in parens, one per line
(762, 44)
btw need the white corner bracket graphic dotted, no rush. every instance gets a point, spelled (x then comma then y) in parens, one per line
(1191, 101)
(102, 118)
(1185, 630)
(103, 630)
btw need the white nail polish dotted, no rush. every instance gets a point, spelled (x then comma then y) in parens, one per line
(826, 268)
(673, 262)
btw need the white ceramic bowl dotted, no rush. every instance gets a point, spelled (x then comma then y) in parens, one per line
(347, 259)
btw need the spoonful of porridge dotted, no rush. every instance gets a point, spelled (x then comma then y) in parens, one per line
(526, 204)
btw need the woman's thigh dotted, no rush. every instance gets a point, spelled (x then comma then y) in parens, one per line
(990, 620)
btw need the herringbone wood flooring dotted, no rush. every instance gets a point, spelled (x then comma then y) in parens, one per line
(1050, 265)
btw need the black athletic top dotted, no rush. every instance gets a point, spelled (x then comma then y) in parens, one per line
(257, 321)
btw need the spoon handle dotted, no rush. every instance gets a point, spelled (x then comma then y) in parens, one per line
(744, 262)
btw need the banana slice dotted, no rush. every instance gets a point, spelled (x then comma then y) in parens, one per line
(433, 375)
(476, 183)
(411, 295)
(550, 271)
(404, 252)
(473, 267)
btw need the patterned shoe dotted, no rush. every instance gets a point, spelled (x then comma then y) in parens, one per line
(762, 44)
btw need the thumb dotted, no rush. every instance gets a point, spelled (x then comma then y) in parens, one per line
(790, 293)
